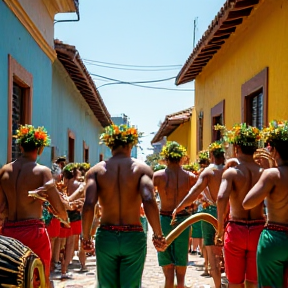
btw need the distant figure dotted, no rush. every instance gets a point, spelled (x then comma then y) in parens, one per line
(243, 228)
(272, 253)
(17, 178)
(173, 184)
(120, 184)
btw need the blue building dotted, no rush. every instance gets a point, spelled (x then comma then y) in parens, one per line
(39, 87)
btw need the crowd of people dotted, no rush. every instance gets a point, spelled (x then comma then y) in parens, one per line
(247, 194)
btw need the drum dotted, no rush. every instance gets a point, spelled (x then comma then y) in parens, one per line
(19, 266)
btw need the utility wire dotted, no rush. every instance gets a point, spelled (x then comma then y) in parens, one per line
(132, 69)
(126, 65)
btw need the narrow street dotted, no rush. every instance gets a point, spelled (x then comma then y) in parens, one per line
(152, 276)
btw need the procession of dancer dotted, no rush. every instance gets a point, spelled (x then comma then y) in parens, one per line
(109, 200)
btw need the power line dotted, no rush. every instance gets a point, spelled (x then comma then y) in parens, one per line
(131, 69)
(126, 65)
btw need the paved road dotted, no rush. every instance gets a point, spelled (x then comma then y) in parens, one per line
(152, 276)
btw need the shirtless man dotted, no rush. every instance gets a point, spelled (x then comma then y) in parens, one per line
(173, 184)
(243, 229)
(209, 182)
(272, 255)
(120, 184)
(24, 213)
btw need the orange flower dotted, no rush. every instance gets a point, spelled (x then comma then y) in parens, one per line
(40, 135)
(24, 130)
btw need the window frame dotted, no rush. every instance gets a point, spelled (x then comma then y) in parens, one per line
(19, 75)
(250, 88)
(71, 135)
(216, 111)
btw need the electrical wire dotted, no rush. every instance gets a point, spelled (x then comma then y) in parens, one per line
(132, 69)
(126, 65)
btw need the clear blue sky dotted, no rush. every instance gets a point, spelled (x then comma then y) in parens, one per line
(135, 32)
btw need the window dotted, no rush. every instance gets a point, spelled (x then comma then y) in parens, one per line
(20, 103)
(85, 152)
(71, 146)
(254, 100)
(200, 131)
(217, 117)
(101, 157)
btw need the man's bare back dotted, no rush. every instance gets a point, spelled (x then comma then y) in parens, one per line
(118, 189)
(173, 185)
(244, 176)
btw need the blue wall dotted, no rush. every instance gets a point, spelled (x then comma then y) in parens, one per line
(17, 42)
(70, 111)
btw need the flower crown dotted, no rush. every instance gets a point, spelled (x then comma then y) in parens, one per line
(193, 167)
(276, 131)
(71, 166)
(173, 151)
(203, 156)
(216, 148)
(28, 135)
(241, 134)
(119, 135)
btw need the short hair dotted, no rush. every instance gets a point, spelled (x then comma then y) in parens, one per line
(281, 148)
(248, 150)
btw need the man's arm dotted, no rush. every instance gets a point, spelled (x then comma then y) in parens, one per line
(193, 194)
(260, 190)
(3, 202)
(91, 198)
(223, 199)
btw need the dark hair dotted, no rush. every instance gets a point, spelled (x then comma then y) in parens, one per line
(281, 148)
(60, 159)
(204, 162)
(69, 174)
(29, 146)
(217, 154)
(248, 150)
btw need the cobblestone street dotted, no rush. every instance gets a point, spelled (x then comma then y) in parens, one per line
(152, 276)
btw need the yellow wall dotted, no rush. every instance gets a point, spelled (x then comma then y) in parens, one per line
(182, 135)
(260, 41)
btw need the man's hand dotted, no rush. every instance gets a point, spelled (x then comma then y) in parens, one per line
(219, 239)
(88, 246)
(159, 243)
(173, 220)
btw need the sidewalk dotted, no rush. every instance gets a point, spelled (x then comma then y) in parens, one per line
(152, 276)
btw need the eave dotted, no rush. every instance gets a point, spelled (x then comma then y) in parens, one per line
(61, 6)
(171, 123)
(72, 62)
(225, 23)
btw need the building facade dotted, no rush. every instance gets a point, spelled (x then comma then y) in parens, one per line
(239, 67)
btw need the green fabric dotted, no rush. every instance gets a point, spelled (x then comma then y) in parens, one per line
(144, 223)
(272, 257)
(74, 215)
(120, 258)
(208, 230)
(197, 230)
(177, 252)
(46, 216)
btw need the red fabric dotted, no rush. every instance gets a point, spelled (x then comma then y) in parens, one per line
(65, 232)
(53, 228)
(76, 227)
(32, 233)
(240, 247)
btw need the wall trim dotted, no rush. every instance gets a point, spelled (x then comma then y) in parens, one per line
(23, 17)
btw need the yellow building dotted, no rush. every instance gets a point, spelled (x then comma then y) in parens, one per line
(240, 68)
(177, 127)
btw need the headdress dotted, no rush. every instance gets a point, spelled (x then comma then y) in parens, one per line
(193, 167)
(241, 134)
(216, 148)
(173, 151)
(115, 136)
(277, 131)
(30, 137)
(61, 159)
(84, 166)
(203, 157)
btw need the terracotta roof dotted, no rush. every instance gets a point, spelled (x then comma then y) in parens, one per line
(171, 123)
(72, 62)
(225, 23)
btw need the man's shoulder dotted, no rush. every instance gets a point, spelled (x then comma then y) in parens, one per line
(160, 173)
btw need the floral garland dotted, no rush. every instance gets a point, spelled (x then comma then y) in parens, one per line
(216, 148)
(119, 135)
(173, 151)
(275, 132)
(241, 134)
(28, 135)
(203, 157)
(158, 167)
(193, 167)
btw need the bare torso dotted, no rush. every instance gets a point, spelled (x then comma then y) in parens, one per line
(16, 179)
(118, 189)
(277, 199)
(173, 185)
(246, 175)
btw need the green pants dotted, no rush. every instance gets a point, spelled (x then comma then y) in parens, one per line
(208, 230)
(120, 258)
(177, 252)
(272, 257)
(144, 223)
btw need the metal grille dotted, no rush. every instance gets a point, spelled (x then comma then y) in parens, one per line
(17, 117)
(257, 110)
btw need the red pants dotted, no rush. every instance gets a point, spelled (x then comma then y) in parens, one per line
(76, 227)
(53, 228)
(32, 233)
(240, 247)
